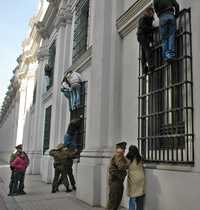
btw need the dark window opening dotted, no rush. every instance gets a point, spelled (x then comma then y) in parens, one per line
(80, 29)
(165, 102)
(47, 129)
(80, 137)
(51, 63)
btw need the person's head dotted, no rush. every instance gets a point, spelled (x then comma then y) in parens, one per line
(120, 148)
(149, 11)
(19, 148)
(133, 154)
(60, 146)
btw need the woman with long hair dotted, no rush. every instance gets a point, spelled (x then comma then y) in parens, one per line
(135, 181)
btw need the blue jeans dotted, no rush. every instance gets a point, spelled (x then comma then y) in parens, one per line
(69, 141)
(68, 95)
(76, 98)
(136, 203)
(168, 35)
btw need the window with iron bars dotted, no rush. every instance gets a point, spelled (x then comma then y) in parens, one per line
(74, 114)
(165, 102)
(80, 29)
(51, 62)
(47, 129)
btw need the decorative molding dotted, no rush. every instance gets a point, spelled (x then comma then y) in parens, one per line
(47, 95)
(41, 28)
(83, 62)
(42, 54)
(127, 22)
(64, 16)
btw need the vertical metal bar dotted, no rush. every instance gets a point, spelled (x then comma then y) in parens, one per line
(191, 69)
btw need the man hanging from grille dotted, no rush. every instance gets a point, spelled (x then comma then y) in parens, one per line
(145, 38)
(60, 154)
(167, 11)
(117, 173)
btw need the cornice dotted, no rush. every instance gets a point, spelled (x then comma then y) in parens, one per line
(63, 17)
(127, 22)
(42, 29)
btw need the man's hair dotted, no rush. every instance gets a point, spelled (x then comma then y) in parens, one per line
(149, 9)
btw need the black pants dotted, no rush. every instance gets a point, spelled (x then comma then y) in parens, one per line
(60, 171)
(115, 195)
(18, 183)
(69, 174)
(11, 181)
(146, 53)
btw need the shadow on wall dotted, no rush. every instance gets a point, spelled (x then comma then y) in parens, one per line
(153, 191)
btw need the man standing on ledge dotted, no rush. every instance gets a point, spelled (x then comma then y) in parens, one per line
(167, 11)
(117, 173)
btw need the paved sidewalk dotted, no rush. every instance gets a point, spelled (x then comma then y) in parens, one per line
(39, 196)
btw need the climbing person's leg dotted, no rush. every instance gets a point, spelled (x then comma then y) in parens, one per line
(68, 140)
(164, 33)
(171, 53)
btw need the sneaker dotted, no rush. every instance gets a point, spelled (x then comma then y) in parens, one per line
(10, 194)
(22, 193)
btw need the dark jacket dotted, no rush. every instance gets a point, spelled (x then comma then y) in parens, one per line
(74, 126)
(60, 156)
(162, 6)
(145, 28)
(117, 169)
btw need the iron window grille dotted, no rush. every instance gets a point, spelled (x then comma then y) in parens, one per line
(74, 114)
(165, 102)
(80, 29)
(51, 62)
(47, 129)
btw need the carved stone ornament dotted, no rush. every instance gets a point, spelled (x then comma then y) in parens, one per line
(42, 30)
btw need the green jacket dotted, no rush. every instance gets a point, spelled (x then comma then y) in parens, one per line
(117, 169)
(162, 6)
(60, 156)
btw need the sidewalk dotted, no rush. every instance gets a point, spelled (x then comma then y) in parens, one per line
(39, 196)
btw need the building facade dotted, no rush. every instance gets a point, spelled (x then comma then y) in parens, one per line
(158, 112)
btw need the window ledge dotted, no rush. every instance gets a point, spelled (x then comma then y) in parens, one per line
(83, 62)
(127, 22)
(47, 94)
(169, 167)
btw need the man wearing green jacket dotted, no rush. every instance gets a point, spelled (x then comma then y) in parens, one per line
(167, 11)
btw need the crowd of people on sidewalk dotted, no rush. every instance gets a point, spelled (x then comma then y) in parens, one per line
(121, 165)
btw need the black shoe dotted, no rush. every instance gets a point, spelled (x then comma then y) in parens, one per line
(53, 191)
(10, 194)
(74, 188)
(22, 193)
(171, 60)
(150, 68)
(68, 190)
